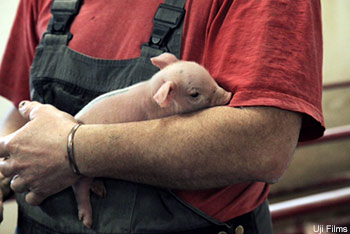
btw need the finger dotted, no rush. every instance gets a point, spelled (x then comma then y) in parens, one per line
(28, 109)
(18, 184)
(6, 169)
(34, 199)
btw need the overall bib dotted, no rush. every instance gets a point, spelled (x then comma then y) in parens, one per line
(69, 80)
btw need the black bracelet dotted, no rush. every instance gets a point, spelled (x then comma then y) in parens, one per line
(70, 149)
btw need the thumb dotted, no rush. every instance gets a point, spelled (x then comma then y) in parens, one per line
(28, 109)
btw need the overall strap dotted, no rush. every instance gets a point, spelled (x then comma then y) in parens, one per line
(168, 17)
(63, 14)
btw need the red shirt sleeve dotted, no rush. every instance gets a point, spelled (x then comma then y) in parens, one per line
(269, 53)
(19, 53)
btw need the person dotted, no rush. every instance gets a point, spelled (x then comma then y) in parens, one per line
(206, 172)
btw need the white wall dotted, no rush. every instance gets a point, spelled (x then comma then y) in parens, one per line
(7, 15)
(336, 35)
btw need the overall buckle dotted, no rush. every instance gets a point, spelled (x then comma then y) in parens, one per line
(165, 20)
(63, 12)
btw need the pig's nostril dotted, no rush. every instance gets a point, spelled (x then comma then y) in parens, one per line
(194, 95)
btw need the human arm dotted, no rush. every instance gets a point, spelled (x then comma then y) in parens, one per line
(211, 148)
(176, 152)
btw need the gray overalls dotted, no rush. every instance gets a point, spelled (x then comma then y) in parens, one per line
(69, 80)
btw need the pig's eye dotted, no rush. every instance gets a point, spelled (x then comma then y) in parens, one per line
(194, 94)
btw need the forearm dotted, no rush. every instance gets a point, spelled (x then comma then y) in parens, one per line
(211, 148)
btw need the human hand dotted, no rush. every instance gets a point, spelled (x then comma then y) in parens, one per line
(37, 153)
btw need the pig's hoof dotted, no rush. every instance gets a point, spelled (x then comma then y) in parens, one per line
(87, 221)
(98, 187)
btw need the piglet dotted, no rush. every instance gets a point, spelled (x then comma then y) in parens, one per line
(179, 87)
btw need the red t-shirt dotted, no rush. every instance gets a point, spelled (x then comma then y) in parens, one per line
(268, 53)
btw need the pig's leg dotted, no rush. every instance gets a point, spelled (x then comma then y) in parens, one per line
(98, 187)
(82, 195)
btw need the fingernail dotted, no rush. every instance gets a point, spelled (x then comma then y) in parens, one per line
(22, 104)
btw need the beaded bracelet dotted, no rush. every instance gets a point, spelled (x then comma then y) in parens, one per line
(70, 149)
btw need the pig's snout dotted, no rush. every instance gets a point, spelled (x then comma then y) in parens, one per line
(221, 97)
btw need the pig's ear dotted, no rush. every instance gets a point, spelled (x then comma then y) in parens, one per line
(163, 60)
(164, 94)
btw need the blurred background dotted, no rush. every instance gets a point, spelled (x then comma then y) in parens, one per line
(316, 188)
